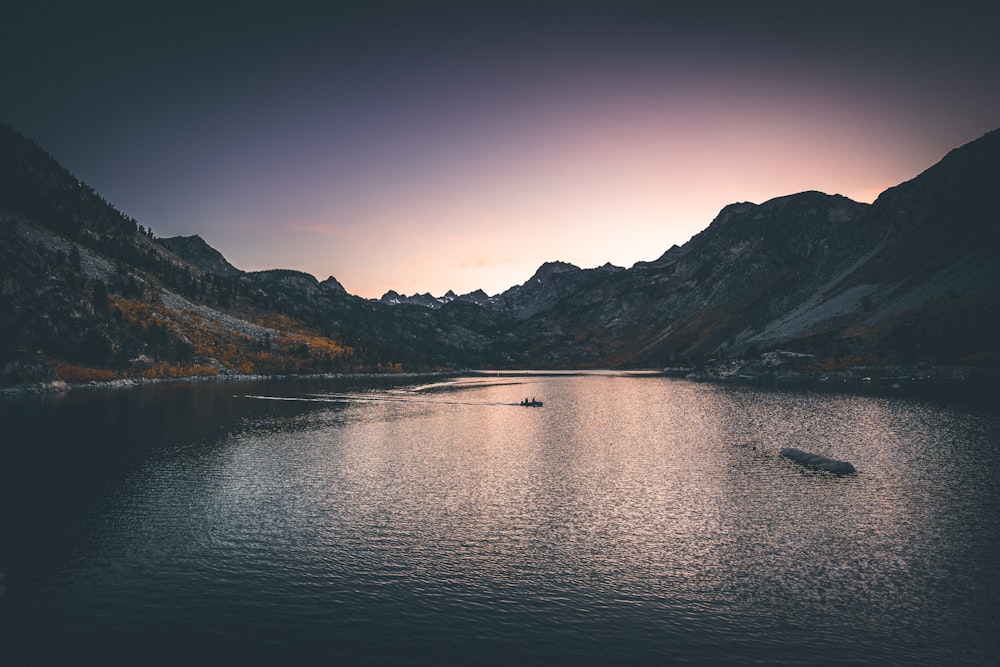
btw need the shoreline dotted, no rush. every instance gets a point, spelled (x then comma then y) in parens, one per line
(61, 387)
(965, 383)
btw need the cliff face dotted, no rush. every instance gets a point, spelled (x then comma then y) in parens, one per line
(87, 293)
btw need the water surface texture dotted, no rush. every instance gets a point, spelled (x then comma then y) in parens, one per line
(634, 519)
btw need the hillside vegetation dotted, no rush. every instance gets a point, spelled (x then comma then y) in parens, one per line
(87, 293)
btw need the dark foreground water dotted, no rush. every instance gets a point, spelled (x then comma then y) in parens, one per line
(631, 520)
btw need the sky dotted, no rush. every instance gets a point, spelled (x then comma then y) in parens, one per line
(428, 146)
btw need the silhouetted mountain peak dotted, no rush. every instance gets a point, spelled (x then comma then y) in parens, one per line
(333, 285)
(965, 178)
(478, 297)
(427, 300)
(549, 269)
(194, 250)
(35, 186)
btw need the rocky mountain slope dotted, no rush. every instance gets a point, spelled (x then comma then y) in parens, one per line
(195, 251)
(914, 278)
(86, 293)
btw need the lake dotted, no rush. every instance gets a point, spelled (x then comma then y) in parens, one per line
(633, 519)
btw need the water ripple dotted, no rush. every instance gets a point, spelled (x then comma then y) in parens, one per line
(632, 519)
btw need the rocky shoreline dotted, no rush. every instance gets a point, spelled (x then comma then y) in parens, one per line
(777, 369)
(796, 370)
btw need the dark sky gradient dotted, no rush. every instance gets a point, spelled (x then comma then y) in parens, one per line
(427, 146)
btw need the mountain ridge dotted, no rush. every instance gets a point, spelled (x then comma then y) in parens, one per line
(912, 278)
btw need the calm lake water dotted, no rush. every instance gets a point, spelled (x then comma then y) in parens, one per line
(634, 519)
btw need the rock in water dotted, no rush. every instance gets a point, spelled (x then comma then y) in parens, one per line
(818, 462)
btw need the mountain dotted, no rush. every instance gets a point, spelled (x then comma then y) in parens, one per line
(394, 298)
(912, 278)
(812, 279)
(194, 250)
(751, 266)
(86, 293)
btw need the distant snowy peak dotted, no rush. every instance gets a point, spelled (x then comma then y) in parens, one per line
(394, 298)
(391, 298)
(479, 297)
(427, 300)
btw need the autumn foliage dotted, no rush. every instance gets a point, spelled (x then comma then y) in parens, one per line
(74, 373)
(269, 344)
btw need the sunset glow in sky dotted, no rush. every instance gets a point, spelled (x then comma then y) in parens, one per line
(426, 147)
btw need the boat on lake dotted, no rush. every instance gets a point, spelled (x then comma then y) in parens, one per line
(530, 404)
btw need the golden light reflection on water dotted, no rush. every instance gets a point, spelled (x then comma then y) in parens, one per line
(639, 514)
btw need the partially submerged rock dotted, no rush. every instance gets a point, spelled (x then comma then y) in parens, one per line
(818, 462)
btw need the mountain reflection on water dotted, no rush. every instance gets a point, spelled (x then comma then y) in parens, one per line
(633, 519)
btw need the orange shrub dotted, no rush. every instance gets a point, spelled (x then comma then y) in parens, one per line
(162, 369)
(74, 373)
